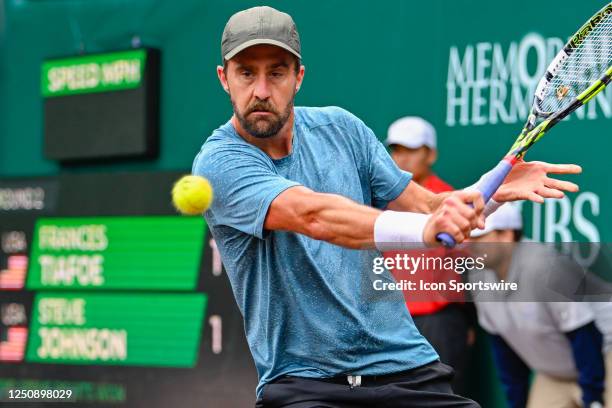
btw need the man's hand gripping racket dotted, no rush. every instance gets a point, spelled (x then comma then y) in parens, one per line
(581, 70)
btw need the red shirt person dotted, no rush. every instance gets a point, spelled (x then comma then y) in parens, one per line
(446, 325)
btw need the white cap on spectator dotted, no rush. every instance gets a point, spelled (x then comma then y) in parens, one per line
(507, 217)
(411, 132)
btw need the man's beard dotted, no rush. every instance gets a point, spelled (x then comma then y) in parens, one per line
(263, 127)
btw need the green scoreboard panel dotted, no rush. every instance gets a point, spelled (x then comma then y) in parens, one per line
(116, 253)
(105, 291)
(118, 329)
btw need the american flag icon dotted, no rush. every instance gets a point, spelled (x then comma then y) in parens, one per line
(13, 343)
(13, 277)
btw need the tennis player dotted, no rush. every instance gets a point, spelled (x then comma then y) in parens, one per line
(300, 194)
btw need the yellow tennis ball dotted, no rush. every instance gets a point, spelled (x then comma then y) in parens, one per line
(192, 195)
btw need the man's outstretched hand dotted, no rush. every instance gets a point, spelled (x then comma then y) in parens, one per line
(530, 181)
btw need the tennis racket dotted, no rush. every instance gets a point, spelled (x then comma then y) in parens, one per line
(581, 70)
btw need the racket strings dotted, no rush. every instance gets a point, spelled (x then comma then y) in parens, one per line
(586, 64)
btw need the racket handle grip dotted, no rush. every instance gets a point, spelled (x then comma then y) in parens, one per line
(446, 240)
(494, 179)
(488, 186)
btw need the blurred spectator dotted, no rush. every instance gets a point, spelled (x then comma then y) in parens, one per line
(412, 141)
(603, 320)
(447, 326)
(559, 341)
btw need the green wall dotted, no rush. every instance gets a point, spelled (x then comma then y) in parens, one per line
(380, 60)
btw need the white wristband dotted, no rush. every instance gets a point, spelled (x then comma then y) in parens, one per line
(394, 230)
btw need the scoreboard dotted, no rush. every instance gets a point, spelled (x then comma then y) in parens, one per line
(101, 106)
(105, 291)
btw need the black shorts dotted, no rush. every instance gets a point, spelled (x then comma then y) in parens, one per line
(422, 387)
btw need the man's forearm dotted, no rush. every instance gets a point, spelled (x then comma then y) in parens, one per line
(343, 222)
(429, 202)
(322, 216)
(416, 198)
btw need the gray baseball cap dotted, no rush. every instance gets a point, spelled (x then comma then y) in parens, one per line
(259, 25)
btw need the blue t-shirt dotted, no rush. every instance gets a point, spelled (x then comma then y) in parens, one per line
(309, 307)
